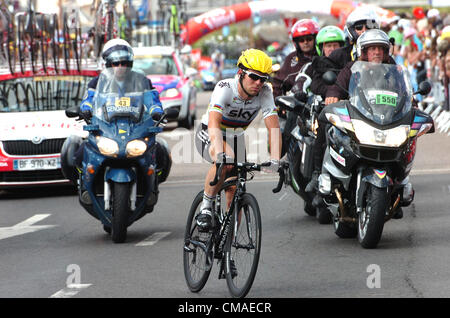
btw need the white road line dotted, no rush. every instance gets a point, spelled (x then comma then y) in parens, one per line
(153, 239)
(70, 291)
(30, 221)
(25, 227)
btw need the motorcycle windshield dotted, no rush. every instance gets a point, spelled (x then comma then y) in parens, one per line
(380, 92)
(120, 95)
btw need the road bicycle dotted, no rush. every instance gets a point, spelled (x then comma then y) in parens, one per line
(235, 238)
(73, 45)
(7, 37)
(106, 24)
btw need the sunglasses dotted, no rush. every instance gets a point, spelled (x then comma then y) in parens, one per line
(307, 38)
(255, 77)
(122, 63)
(359, 27)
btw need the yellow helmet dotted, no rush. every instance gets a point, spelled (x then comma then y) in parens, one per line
(256, 60)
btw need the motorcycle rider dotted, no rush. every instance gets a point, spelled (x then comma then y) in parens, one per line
(303, 35)
(329, 39)
(373, 46)
(234, 104)
(358, 21)
(118, 55)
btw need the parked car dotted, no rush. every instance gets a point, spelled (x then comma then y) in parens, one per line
(33, 125)
(173, 80)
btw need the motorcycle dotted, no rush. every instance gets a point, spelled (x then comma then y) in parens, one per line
(119, 175)
(299, 132)
(371, 144)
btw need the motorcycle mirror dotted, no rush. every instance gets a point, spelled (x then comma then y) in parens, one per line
(171, 113)
(329, 77)
(72, 112)
(424, 88)
(289, 103)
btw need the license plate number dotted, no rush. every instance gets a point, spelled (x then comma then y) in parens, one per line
(37, 164)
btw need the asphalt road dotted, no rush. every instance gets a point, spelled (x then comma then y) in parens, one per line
(50, 247)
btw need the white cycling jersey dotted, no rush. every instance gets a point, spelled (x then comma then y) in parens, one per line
(237, 113)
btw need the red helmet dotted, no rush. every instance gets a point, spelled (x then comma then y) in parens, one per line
(304, 27)
(418, 13)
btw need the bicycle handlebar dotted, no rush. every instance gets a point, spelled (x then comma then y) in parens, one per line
(252, 167)
(281, 171)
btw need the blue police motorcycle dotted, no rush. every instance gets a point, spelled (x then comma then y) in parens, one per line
(118, 178)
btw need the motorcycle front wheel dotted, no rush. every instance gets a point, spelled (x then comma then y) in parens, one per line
(121, 207)
(371, 219)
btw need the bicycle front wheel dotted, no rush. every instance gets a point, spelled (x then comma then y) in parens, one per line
(243, 247)
(197, 262)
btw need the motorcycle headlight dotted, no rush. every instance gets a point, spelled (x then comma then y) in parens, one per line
(368, 135)
(170, 93)
(135, 148)
(339, 123)
(107, 147)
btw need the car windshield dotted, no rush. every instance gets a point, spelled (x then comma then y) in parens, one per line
(42, 93)
(120, 97)
(380, 92)
(155, 65)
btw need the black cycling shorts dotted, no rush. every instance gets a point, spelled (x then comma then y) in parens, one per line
(203, 143)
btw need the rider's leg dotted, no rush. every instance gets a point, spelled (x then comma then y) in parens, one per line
(318, 151)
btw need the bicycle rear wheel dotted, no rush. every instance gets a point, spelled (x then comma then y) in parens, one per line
(10, 48)
(54, 36)
(67, 44)
(197, 264)
(243, 247)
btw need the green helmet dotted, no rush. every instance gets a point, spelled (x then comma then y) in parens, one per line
(329, 33)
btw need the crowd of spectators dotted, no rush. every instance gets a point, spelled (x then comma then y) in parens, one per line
(422, 44)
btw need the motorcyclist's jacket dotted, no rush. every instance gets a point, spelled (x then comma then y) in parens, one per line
(340, 89)
(151, 97)
(284, 79)
(237, 114)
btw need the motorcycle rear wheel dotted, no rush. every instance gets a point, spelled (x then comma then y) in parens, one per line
(121, 207)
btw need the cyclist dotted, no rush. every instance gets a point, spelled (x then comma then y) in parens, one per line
(303, 34)
(234, 104)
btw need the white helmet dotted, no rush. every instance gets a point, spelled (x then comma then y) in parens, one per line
(117, 50)
(371, 37)
(362, 14)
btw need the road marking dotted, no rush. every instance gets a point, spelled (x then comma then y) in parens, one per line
(70, 291)
(153, 239)
(25, 227)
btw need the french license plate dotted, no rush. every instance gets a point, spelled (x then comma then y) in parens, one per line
(37, 164)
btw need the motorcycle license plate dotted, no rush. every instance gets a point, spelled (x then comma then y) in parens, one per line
(37, 164)
(123, 102)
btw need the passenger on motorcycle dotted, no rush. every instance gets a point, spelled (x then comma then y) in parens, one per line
(303, 34)
(358, 21)
(234, 104)
(329, 39)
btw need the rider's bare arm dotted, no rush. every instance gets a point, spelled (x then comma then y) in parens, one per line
(275, 142)
(215, 133)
